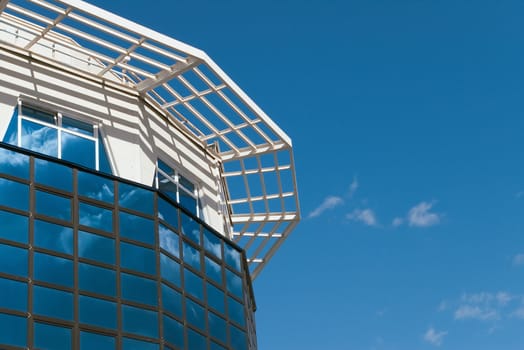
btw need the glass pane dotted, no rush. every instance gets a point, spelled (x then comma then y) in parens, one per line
(213, 270)
(90, 341)
(191, 256)
(186, 183)
(52, 303)
(132, 344)
(137, 228)
(171, 301)
(215, 298)
(137, 258)
(193, 284)
(139, 321)
(234, 284)
(97, 312)
(37, 113)
(236, 311)
(14, 227)
(14, 194)
(53, 175)
(103, 161)
(136, 198)
(168, 212)
(139, 289)
(53, 237)
(170, 270)
(217, 327)
(14, 295)
(190, 228)
(173, 331)
(214, 346)
(238, 339)
(13, 260)
(167, 186)
(232, 256)
(13, 330)
(96, 279)
(169, 240)
(196, 341)
(195, 314)
(78, 150)
(95, 187)
(96, 217)
(49, 337)
(187, 201)
(165, 168)
(212, 243)
(53, 269)
(14, 163)
(77, 125)
(52, 205)
(40, 138)
(95, 247)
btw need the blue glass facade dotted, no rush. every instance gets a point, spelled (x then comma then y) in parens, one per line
(90, 261)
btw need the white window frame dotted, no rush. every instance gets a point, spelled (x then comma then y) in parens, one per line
(58, 117)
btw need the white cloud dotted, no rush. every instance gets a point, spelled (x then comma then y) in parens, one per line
(519, 313)
(503, 298)
(434, 337)
(329, 202)
(518, 259)
(353, 187)
(397, 222)
(476, 313)
(366, 216)
(421, 216)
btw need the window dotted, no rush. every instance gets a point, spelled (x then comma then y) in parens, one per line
(57, 135)
(179, 188)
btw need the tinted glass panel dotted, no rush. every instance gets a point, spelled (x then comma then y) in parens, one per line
(173, 331)
(169, 240)
(97, 312)
(13, 295)
(133, 344)
(135, 198)
(171, 300)
(97, 279)
(95, 187)
(53, 237)
(13, 260)
(78, 150)
(215, 298)
(53, 303)
(139, 321)
(236, 311)
(234, 283)
(13, 227)
(167, 212)
(193, 284)
(212, 244)
(52, 205)
(39, 138)
(53, 269)
(213, 270)
(188, 202)
(190, 228)
(14, 194)
(13, 330)
(95, 247)
(137, 258)
(238, 339)
(232, 256)
(53, 174)
(137, 228)
(49, 337)
(14, 163)
(37, 113)
(96, 217)
(90, 341)
(170, 269)
(214, 346)
(217, 327)
(195, 314)
(196, 341)
(77, 126)
(191, 256)
(139, 289)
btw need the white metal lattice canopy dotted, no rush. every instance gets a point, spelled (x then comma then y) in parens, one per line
(190, 88)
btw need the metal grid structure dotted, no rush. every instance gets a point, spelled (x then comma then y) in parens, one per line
(190, 89)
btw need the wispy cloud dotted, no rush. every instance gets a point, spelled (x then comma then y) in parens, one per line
(329, 203)
(476, 312)
(366, 216)
(420, 215)
(519, 313)
(397, 222)
(353, 187)
(434, 337)
(518, 259)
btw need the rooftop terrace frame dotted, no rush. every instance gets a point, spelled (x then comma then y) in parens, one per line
(185, 85)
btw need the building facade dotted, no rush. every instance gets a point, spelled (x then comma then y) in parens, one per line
(141, 190)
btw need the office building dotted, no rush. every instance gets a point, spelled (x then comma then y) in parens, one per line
(141, 190)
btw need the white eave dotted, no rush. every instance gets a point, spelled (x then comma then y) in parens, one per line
(191, 89)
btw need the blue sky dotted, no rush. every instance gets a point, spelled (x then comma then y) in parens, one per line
(406, 118)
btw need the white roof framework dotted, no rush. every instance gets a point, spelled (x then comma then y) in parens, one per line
(194, 93)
